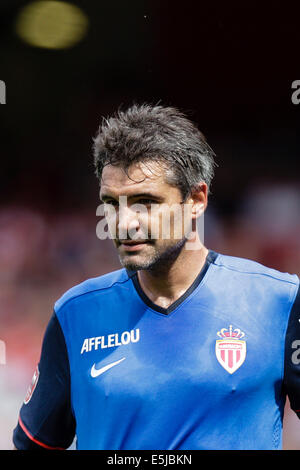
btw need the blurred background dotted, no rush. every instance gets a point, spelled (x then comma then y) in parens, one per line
(229, 66)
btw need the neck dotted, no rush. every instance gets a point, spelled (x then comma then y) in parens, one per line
(166, 284)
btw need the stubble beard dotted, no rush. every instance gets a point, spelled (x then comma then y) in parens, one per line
(159, 262)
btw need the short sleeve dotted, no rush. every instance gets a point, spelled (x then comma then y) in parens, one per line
(46, 420)
(292, 357)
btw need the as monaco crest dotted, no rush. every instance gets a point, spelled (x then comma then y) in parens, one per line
(230, 350)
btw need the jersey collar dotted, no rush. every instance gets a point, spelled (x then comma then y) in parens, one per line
(210, 258)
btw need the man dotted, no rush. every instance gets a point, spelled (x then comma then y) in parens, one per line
(182, 348)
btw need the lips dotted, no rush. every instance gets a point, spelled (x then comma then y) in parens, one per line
(132, 242)
(133, 245)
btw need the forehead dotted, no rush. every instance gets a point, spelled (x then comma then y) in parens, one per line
(139, 177)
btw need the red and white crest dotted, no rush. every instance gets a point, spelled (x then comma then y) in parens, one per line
(231, 350)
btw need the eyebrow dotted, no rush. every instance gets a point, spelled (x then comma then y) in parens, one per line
(106, 197)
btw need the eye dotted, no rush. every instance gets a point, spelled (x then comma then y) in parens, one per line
(111, 202)
(147, 202)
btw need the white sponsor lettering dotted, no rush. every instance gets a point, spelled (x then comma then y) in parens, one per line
(110, 341)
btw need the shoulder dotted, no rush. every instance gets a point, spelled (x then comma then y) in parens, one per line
(253, 269)
(90, 286)
(256, 279)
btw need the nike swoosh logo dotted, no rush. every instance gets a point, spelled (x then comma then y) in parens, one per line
(96, 372)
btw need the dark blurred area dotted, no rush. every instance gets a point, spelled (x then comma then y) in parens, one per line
(229, 66)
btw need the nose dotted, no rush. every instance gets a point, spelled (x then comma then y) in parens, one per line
(128, 223)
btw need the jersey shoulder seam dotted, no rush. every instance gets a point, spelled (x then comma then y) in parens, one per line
(90, 291)
(233, 268)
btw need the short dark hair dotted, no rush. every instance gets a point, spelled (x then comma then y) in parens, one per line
(145, 133)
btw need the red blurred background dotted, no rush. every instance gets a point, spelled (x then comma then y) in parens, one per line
(229, 66)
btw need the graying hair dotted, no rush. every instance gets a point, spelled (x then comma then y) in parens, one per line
(145, 133)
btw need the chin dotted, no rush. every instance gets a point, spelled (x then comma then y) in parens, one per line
(136, 265)
(157, 261)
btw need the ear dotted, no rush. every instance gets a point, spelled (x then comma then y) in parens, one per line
(198, 199)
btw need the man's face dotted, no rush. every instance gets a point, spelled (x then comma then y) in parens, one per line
(148, 234)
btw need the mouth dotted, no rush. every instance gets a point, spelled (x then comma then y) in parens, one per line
(132, 245)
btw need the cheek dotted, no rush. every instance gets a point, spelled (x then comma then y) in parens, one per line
(167, 225)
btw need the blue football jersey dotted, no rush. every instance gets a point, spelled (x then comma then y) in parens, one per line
(211, 371)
